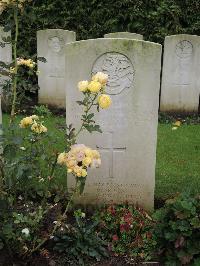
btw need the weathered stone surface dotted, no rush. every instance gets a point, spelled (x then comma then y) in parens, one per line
(6, 57)
(128, 142)
(124, 35)
(51, 79)
(5, 52)
(180, 76)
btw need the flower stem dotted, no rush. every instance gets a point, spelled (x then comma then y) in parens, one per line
(53, 166)
(88, 107)
(14, 85)
(58, 222)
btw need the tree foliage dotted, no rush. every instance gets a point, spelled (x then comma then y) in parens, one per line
(93, 18)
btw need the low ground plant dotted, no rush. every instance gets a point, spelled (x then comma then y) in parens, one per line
(81, 240)
(127, 230)
(177, 231)
(28, 169)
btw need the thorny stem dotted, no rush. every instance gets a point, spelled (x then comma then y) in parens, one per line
(14, 85)
(53, 166)
(1, 173)
(58, 222)
(88, 107)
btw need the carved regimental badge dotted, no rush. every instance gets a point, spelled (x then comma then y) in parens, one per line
(120, 71)
(55, 44)
(184, 49)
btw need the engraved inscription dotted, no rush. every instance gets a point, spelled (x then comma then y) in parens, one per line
(182, 71)
(110, 191)
(120, 71)
(184, 49)
(55, 44)
(55, 59)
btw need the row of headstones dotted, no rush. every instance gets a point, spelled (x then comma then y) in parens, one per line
(128, 144)
(180, 87)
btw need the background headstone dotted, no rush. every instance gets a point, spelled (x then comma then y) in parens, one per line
(124, 35)
(5, 52)
(51, 78)
(128, 142)
(180, 88)
(6, 57)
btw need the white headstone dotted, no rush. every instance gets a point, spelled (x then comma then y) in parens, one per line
(5, 52)
(124, 35)
(180, 76)
(128, 142)
(6, 57)
(51, 77)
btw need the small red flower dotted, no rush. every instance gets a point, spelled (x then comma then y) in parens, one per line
(124, 227)
(128, 218)
(115, 238)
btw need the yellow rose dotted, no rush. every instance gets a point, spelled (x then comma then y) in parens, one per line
(38, 128)
(79, 174)
(78, 170)
(104, 101)
(88, 152)
(83, 173)
(101, 77)
(35, 117)
(177, 123)
(96, 163)
(12, 70)
(43, 129)
(86, 161)
(26, 62)
(83, 85)
(35, 128)
(61, 158)
(71, 163)
(94, 86)
(69, 170)
(25, 122)
(96, 154)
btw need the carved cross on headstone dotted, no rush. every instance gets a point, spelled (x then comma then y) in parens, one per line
(112, 150)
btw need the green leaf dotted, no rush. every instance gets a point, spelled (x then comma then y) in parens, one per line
(42, 59)
(7, 28)
(10, 151)
(90, 116)
(80, 102)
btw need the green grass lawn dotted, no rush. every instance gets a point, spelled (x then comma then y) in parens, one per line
(178, 156)
(178, 160)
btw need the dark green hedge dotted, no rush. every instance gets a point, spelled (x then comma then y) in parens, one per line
(93, 18)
